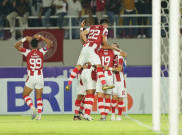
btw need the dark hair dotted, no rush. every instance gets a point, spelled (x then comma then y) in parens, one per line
(102, 21)
(116, 44)
(34, 43)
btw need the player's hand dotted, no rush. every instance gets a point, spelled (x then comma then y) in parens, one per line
(82, 23)
(37, 36)
(28, 38)
(106, 67)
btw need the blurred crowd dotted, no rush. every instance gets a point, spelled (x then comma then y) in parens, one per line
(44, 9)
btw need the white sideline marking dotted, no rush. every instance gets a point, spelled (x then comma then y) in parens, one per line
(140, 123)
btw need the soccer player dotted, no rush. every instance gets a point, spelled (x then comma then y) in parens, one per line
(107, 59)
(34, 58)
(119, 92)
(79, 102)
(88, 78)
(97, 34)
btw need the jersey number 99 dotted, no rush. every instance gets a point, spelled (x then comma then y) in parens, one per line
(35, 64)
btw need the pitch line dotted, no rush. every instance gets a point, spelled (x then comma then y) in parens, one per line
(140, 123)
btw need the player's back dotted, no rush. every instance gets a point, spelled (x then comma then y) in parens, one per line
(107, 57)
(96, 33)
(35, 60)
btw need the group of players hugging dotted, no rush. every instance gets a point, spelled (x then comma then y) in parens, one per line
(99, 69)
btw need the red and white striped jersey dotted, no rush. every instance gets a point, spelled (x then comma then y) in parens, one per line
(35, 59)
(95, 35)
(107, 57)
(118, 60)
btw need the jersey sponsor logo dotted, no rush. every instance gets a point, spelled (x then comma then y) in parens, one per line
(51, 37)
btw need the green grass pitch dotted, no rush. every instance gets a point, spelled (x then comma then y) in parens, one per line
(64, 125)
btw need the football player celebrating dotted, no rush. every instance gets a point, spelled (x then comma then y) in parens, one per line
(97, 34)
(120, 88)
(35, 59)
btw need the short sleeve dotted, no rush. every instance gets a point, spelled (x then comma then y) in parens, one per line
(105, 32)
(44, 50)
(116, 52)
(24, 51)
(88, 29)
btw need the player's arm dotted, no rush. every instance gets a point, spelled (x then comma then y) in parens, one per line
(83, 35)
(123, 54)
(47, 41)
(117, 69)
(81, 30)
(19, 43)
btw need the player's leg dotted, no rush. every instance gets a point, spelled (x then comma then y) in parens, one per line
(77, 107)
(100, 96)
(107, 103)
(29, 85)
(27, 99)
(82, 107)
(120, 107)
(39, 90)
(39, 102)
(89, 101)
(102, 78)
(113, 107)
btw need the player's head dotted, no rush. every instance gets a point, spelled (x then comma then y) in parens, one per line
(34, 43)
(104, 22)
(115, 45)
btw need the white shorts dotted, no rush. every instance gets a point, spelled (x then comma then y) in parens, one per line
(80, 87)
(36, 82)
(87, 79)
(119, 88)
(109, 81)
(88, 54)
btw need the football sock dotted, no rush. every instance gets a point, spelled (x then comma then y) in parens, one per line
(82, 105)
(89, 100)
(101, 76)
(107, 106)
(77, 106)
(101, 106)
(120, 107)
(72, 76)
(39, 105)
(113, 105)
(28, 101)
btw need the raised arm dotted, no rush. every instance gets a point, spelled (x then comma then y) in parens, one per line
(47, 41)
(81, 29)
(83, 35)
(18, 44)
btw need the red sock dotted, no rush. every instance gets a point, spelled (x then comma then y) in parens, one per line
(107, 106)
(77, 106)
(39, 105)
(101, 106)
(89, 101)
(72, 76)
(101, 76)
(113, 105)
(28, 101)
(120, 107)
(82, 105)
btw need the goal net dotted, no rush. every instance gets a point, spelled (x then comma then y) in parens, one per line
(170, 93)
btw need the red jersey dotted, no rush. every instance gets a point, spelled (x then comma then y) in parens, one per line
(95, 35)
(118, 60)
(35, 59)
(107, 57)
(100, 5)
